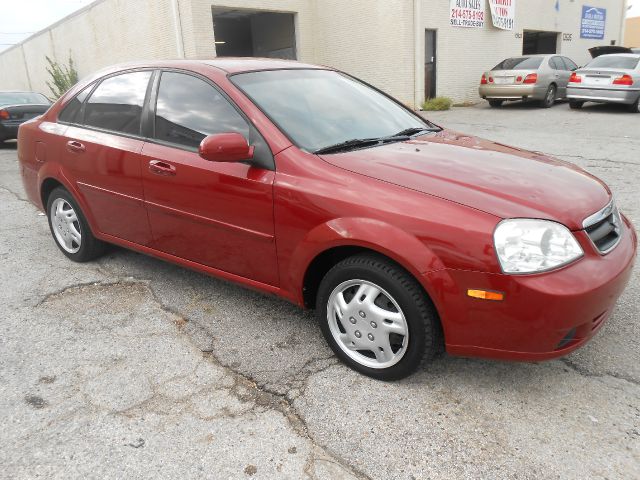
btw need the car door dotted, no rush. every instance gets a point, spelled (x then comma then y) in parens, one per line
(102, 153)
(216, 214)
(562, 75)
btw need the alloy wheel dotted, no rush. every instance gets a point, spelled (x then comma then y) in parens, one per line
(65, 225)
(367, 324)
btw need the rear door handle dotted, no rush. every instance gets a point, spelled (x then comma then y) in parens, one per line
(159, 167)
(75, 146)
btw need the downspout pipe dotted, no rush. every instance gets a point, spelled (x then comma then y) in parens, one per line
(418, 60)
(177, 24)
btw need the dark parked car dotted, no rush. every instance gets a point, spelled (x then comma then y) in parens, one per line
(18, 107)
(304, 182)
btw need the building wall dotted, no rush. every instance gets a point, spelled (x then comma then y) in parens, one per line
(632, 32)
(381, 41)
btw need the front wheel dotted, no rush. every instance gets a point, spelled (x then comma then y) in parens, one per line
(70, 228)
(376, 317)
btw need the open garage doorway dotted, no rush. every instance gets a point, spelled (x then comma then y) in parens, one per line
(254, 33)
(535, 42)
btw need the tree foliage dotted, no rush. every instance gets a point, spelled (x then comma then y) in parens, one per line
(63, 77)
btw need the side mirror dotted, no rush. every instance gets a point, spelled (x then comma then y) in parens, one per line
(225, 147)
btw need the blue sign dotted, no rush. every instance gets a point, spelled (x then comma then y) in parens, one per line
(593, 22)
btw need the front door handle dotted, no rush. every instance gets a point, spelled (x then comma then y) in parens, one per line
(161, 168)
(75, 146)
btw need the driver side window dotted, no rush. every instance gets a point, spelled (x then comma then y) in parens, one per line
(188, 109)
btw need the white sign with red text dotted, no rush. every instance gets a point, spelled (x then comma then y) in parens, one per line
(467, 13)
(503, 13)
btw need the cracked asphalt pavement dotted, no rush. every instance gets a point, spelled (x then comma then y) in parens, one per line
(129, 367)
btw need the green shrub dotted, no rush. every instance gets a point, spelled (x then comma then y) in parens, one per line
(63, 77)
(438, 103)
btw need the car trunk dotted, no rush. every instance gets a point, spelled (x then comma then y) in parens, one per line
(600, 77)
(608, 49)
(22, 113)
(509, 77)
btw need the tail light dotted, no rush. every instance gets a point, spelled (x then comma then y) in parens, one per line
(623, 80)
(490, 79)
(531, 78)
(575, 78)
(519, 79)
(483, 80)
(4, 115)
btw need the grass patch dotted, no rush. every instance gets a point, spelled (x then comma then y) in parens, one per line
(438, 103)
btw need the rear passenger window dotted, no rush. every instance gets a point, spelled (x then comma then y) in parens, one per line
(73, 110)
(188, 109)
(116, 104)
(569, 63)
(556, 63)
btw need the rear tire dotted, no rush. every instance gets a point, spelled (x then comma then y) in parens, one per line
(549, 97)
(376, 317)
(495, 103)
(635, 107)
(575, 105)
(70, 229)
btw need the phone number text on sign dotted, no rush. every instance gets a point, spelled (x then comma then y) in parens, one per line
(467, 13)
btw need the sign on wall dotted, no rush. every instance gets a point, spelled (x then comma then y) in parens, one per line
(593, 22)
(467, 13)
(503, 13)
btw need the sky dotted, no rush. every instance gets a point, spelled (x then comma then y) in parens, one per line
(21, 18)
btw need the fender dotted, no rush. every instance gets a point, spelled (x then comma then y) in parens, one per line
(384, 238)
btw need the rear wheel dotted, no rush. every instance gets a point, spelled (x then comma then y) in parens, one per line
(575, 105)
(635, 107)
(70, 229)
(549, 97)
(495, 103)
(376, 317)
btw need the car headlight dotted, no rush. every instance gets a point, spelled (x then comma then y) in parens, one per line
(528, 245)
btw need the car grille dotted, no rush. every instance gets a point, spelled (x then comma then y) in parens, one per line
(604, 228)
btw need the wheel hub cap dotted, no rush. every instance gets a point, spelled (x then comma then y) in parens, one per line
(367, 324)
(66, 227)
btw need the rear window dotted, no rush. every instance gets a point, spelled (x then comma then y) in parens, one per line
(116, 104)
(519, 63)
(613, 61)
(22, 98)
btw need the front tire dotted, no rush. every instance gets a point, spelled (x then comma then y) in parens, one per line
(376, 317)
(70, 229)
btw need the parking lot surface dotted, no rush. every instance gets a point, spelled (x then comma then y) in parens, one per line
(134, 368)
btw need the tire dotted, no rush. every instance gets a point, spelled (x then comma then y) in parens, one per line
(495, 103)
(575, 105)
(379, 299)
(549, 97)
(70, 229)
(635, 107)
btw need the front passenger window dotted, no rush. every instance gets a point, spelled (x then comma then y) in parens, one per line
(188, 109)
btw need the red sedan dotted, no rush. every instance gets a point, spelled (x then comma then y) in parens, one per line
(307, 183)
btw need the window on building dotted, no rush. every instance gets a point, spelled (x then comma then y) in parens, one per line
(116, 104)
(188, 109)
(535, 42)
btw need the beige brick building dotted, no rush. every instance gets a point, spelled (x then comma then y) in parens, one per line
(408, 48)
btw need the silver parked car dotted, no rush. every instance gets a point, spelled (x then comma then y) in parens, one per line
(611, 78)
(542, 78)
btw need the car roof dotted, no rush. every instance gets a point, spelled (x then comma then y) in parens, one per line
(226, 64)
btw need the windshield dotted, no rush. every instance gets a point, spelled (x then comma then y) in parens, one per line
(22, 98)
(319, 108)
(519, 63)
(613, 61)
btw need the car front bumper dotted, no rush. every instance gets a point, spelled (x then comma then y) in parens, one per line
(542, 316)
(603, 95)
(512, 92)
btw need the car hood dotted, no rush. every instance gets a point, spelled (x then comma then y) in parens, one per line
(488, 176)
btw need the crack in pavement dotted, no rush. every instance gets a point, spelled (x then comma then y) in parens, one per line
(586, 373)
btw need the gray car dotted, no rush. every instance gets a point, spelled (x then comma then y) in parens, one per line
(541, 78)
(611, 78)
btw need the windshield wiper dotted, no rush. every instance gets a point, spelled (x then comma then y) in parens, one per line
(353, 143)
(414, 130)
